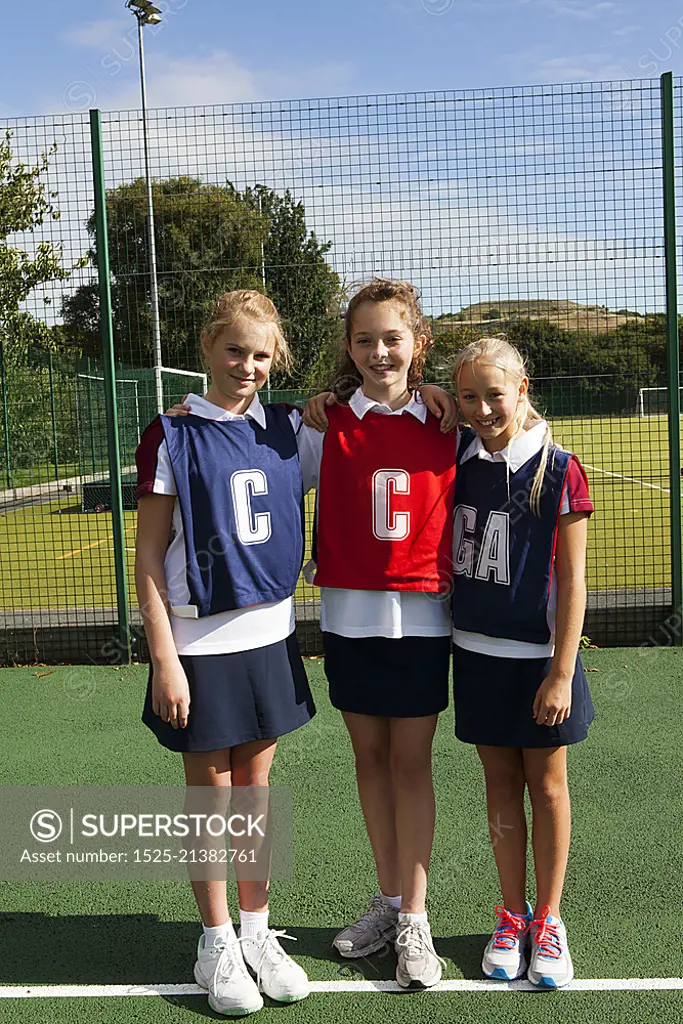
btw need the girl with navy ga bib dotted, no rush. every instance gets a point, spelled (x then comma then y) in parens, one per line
(385, 481)
(519, 597)
(219, 550)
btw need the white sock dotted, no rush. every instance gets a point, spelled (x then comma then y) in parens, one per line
(220, 931)
(413, 918)
(253, 924)
(394, 901)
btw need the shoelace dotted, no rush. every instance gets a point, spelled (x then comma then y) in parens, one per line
(547, 936)
(509, 929)
(376, 908)
(270, 945)
(416, 940)
(229, 960)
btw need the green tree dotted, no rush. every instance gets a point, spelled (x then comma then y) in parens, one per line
(25, 203)
(209, 239)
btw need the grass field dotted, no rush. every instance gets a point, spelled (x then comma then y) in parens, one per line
(54, 556)
(622, 901)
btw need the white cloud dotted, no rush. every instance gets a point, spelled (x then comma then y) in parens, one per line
(96, 33)
(219, 78)
(627, 30)
(583, 10)
(532, 66)
(112, 82)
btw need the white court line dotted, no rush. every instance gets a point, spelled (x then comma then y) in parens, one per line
(464, 985)
(631, 479)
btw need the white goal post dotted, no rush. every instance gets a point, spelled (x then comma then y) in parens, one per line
(654, 401)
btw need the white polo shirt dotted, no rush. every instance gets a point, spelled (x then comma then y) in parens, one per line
(364, 613)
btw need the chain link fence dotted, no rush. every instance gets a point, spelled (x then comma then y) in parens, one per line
(537, 212)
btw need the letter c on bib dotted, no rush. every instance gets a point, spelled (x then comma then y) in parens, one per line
(388, 525)
(252, 528)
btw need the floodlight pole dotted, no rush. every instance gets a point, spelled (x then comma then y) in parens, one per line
(142, 19)
(263, 281)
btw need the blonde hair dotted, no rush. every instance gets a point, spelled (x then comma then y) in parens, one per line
(383, 289)
(231, 307)
(498, 351)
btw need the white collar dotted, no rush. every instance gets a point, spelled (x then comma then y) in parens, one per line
(361, 404)
(516, 453)
(209, 411)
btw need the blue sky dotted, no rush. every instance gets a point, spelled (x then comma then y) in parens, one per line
(58, 56)
(493, 197)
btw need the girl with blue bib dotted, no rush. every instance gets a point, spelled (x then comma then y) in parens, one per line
(219, 551)
(519, 597)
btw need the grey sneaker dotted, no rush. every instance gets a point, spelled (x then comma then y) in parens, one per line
(418, 965)
(370, 932)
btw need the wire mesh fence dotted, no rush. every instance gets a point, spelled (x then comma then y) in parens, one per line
(536, 211)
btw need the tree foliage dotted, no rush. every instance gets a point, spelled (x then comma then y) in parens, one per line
(25, 203)
(209, 239)
(573, 372)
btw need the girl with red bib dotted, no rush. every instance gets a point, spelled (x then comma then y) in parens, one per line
(385, 473)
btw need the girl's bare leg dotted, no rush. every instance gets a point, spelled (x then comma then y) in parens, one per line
(370, 737)
(546, 776)
(504, 773)
(415, 812)
(251, 764)
(209, 768)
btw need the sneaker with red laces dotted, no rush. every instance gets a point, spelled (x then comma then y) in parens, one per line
(505, 956)
(551, 965)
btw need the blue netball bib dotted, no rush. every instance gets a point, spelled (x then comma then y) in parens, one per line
(241, 500)
(503, 552)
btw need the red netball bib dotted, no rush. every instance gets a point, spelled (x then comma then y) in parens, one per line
(385, 506)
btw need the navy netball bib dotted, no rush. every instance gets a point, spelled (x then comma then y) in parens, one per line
(503, 552)
(241, 500)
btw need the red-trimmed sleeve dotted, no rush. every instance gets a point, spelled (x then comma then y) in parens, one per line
(577, 488)
(147, 457)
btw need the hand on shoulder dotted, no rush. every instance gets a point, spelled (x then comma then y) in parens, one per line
(442, 405)
(314, 413)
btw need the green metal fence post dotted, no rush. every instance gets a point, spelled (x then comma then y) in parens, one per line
(672, 351)
(107, 339)
(54, 415)
(5, 416)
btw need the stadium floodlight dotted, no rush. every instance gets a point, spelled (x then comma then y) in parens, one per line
(147, 14)
(145, 11)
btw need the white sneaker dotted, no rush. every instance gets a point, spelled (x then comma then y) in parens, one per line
(221, 969)
(505, 956)
(418, 965)
(276, 973)
(551, 965)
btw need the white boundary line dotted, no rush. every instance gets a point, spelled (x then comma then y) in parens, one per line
(631, 479)
(464, 985)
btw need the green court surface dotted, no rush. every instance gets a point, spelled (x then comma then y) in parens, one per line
(71, 553)
(623, 897)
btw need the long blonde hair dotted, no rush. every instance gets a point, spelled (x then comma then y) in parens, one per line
(498, 351)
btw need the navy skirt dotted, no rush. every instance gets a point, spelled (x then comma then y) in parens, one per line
(494, 700)
(237, 698)
(406, 678)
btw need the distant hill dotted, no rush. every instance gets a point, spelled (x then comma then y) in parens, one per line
(572, 316)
